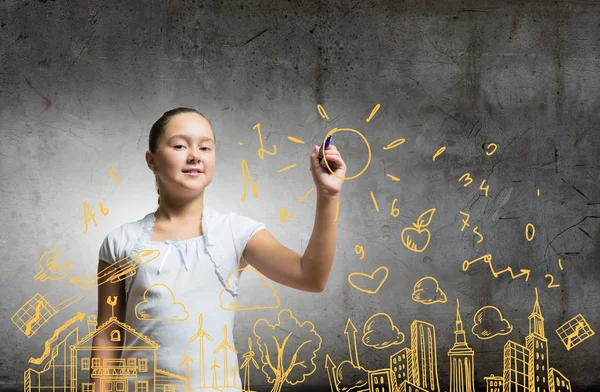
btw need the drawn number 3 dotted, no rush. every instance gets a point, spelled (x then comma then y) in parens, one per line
(551, 285)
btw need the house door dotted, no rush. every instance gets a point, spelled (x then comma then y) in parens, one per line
(114, 386)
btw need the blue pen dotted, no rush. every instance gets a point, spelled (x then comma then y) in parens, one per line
(327, 143)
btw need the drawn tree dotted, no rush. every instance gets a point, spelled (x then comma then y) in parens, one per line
(287, 349)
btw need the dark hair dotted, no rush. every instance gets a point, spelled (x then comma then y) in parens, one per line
(159, 127)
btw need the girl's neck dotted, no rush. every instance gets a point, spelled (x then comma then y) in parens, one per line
(189, 211)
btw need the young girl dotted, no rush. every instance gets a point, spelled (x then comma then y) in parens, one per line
(177, 300)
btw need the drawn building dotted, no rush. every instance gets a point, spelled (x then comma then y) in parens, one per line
(423, 345)
(402, 366)
(557, 382)
(493, 383)
(115, 372)
(537, 344)
(382, 380)
(516, 368)
(462, 373)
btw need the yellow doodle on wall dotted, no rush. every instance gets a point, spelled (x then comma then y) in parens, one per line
(359, 250)
(465, 222)
(248, 360)
(417, 238)
(92, 216)
(439, 152)
(200, 335)
(322, 112)
(379, 332)
(110, 174)
(264, 290)
(574, 331)
(395, 212)
(284, 216)
(49, 268)
(160, 293)
(359, 280)
(275, 344)
(261, 150)
(395, 143)
(488, 322)
(375, 109)
(427, 291)
(487, 259)
(493, 147)
(247, 176)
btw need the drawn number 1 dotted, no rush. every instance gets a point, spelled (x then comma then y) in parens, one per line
(551, 285)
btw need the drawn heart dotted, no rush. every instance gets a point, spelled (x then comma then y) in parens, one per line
(361, 280)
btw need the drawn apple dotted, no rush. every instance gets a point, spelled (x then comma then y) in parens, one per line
(417, 238)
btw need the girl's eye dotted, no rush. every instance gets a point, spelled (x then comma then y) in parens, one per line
(206, 148)
(179, 145)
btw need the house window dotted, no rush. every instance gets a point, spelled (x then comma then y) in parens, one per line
(85, 364)
(169, 388)
(115, 336)
(141, 386)
(95, 362)
(130, 362)
(87, 387)
(143, 364)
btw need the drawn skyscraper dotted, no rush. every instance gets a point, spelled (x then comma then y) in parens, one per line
(516, 367)
(422, 341)
(537, 344)
(462, 374)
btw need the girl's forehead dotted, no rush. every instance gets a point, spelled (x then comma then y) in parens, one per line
(188, 124)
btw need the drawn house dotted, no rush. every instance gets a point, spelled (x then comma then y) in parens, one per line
(382, 380)
(115, 372)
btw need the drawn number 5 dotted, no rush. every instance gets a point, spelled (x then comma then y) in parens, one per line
(551, 285)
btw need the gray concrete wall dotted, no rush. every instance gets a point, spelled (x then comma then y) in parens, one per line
(82, 82)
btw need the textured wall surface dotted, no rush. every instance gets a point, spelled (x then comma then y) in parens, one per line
(81, 83)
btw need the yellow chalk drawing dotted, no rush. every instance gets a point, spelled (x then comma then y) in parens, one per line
(283, 215)
(110, 174)
(375, 109)
(274, 344)
(200, 335)
(380, 332)
(306, 194)
(241, 143)
(560, 264)
(37, 311)
(116, 272)
(286, 168)
(478, 234)
(574, 331)
(261, 150)
(160, 293)
(225, 346)
(538, 191)
(49, 268)
(488, 322)
(249, 360)
(439, 152)
(493, 383)
(336, 130)
(359, 250)
(551, 285)
(487, 259)
(38, 361)
(395, 212)
(247, 176)
(493, 146)
(427, 291)
(265, 290)
(214, 369)
(374, 201)
(467, 178)
(482, 188)
(529, 232)
(393, 178)
(420, 235)
(361, 280)
(92, 216)
(395, 143)
(295, 140)
(462, 369)
(186, 361)
(322, 112)
(350, 332)
(465, 221)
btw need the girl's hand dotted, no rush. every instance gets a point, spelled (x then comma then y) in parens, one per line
(325, 182)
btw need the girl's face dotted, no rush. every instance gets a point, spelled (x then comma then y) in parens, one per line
(187, 143)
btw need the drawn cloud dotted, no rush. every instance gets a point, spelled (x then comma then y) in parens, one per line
(380, 332)
(160, 296)
(351, 378)
(265, 290)
(489, 322)
(427, 291)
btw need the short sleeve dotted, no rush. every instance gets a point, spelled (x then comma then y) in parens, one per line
(243, 228)
(109, 250)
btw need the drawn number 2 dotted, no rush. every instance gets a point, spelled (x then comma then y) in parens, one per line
(551, 285)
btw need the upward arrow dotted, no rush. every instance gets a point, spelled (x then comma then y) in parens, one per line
(350, 332)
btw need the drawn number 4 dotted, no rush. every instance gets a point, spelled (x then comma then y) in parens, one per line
(551, 285)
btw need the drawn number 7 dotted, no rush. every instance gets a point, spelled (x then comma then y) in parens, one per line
(551, 285)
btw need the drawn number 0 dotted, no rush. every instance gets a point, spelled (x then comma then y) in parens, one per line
(551, 285)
